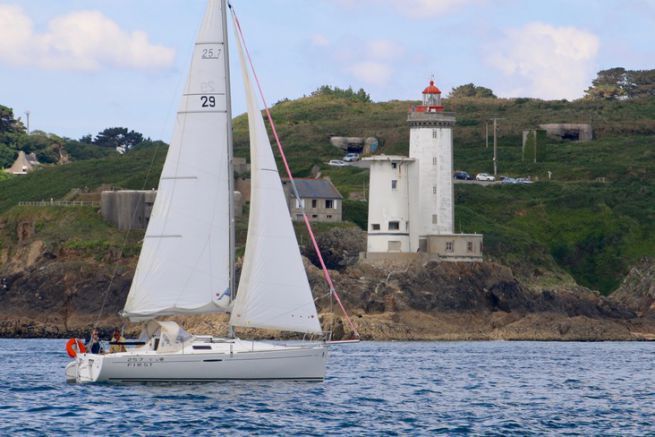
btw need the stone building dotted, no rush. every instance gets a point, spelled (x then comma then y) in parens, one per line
(411, 200)
(131, 209)
(569, 131)
(319, 198)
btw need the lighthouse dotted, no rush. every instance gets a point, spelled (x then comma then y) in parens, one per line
(431, 146)
(411, 199)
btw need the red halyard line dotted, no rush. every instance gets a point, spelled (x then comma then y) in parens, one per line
(326, 273)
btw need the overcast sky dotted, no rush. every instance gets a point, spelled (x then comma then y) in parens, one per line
(82, 65)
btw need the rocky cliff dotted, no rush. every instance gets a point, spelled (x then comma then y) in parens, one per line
(48, 290)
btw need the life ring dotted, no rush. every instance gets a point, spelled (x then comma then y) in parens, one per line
(75, 346)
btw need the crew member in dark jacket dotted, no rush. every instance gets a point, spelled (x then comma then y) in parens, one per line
(93, 343)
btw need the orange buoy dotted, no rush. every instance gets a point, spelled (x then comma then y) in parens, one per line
(75, 346)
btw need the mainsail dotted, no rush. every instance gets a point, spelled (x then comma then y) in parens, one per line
(185, 262)
(273, 290)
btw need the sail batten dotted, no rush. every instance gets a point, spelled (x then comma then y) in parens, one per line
(184, 265)
(274, 292)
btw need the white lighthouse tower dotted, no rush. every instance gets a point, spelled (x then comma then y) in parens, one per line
(411, 202)
(431, 146)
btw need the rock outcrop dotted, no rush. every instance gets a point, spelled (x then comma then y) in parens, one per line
(63, 292)
(637, 291)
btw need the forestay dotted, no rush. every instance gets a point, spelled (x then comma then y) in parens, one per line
(273, 291)
(184, 266)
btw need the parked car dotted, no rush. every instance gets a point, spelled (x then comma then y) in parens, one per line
(509, 181)
(338, 163)
(350, 157)
(484, 177)
(462, 176)
(523, 180)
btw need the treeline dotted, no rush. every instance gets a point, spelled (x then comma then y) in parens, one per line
(50, 148)
(621, 84)
(348, 93)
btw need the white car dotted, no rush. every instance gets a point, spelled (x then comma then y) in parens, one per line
(484, 177)
(350, 157)
(338, 163)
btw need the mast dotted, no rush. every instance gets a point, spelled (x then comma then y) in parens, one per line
(230, 151)
(230, 163)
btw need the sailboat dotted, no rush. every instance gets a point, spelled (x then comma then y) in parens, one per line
(187, 262)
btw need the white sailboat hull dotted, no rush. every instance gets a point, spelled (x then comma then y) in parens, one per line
(209, 361)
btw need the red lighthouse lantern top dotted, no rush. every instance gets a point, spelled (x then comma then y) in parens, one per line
(431, 89)
(431, 99)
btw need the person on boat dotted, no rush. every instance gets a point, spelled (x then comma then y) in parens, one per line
(93, 343)
(117, 338)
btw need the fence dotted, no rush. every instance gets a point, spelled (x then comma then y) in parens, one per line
(66, 203)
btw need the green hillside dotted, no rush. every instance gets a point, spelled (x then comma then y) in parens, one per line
(593, 220)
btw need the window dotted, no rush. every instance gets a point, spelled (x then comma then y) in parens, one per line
(434, 189)
(394, 165)
(469, 246)
(394, 184)
(434, 219)
(314, 216)
(300, 203)
(329, 203)
(450, 245)
(394, 226)
(375, 227)
(434, 133)
(329, 216)
(314, 202)
(434, 160)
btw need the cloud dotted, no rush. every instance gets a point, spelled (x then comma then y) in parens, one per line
(369, 62)
(540, 60)
(81, 40)
(372, 73)
(414, 9)
(319, 40)
(384, 50)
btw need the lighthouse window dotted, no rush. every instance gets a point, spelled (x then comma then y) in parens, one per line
(434, 133)
(394, 226)
(394, 184)
(375, 227)
(434, 219)
(434, 189)
(394, 165)
(434, 160)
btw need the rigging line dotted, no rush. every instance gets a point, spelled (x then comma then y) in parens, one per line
(326, 274)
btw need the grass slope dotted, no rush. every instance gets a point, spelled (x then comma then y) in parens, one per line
(594, 230)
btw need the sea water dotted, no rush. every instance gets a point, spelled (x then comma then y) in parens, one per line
(371, 388)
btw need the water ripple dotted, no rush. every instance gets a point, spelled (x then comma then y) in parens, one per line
(496, 388)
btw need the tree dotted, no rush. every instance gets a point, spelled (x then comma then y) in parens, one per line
(118, 137)
(359, 95)
(618, 83)
(10, 128)
(471, 90)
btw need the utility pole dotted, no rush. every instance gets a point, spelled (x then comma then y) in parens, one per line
(495, 120)
(495, 150)
(27, 116)
(486, 134)
(535, 146)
